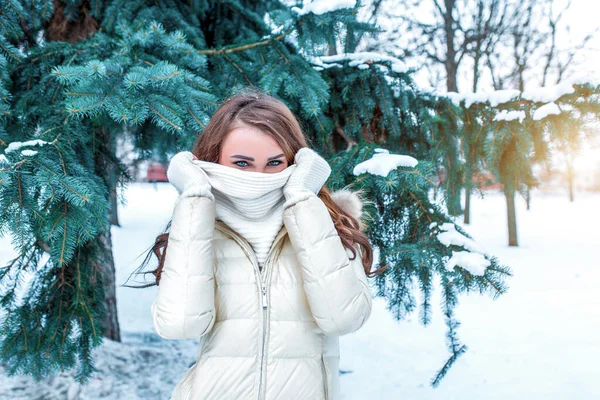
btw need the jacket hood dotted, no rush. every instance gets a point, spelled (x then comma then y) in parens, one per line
(351, 202)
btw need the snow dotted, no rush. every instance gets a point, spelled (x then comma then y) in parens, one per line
(548, 93)
(505, 115)
(382, 163)
(450, 236)
(494, 98)
(538, 342)
(545, 110)
(473, 259)
(358, 59)
(14, 146)
(475, 263)
(275, 29)
(319, 7)
(545, 94)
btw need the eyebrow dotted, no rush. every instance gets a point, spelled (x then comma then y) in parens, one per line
(252, 159)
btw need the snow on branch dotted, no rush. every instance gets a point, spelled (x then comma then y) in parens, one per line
(382, 163)
(547, 94)
(494, 98)
(473, 259)
(15, 146)
(475, 263)
(319, 7)
(505, 115)
(450, 236)
(545, 110)
(360, 59)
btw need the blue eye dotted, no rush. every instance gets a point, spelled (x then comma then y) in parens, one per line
(278, 162)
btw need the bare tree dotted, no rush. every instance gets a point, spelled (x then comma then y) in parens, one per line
(443, 33)
(532, 40)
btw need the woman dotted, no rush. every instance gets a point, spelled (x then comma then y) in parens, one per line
(261, 262)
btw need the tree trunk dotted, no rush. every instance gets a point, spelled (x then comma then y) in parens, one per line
(104, 155)
(467, 216)
(453, 183)
(512, 217)
(570, 178)
(450, 62)
(469, 168)
(110, 320)
(468, 187)
(61, 28)
(113, 214)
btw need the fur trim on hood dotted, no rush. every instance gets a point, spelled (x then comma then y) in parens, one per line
(351, 202)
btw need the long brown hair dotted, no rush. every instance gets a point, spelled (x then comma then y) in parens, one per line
(273, 117)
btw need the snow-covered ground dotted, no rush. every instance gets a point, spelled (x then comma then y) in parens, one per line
(539, 341)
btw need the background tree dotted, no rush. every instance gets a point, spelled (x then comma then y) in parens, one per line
(471, 41)
(521, 128)
(444, 36)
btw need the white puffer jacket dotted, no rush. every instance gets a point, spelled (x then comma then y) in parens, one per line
(267, 334)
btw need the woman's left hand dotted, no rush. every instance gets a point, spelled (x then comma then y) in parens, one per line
(310, 175)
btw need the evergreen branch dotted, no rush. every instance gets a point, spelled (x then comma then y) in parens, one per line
(82, 197)
(314, 110)
(191, 82)
(385, 101)
(420, 205)
(419, 174)
(235, 49)
(77, 110)
(45, 55)
(167, 77)
(164, 118)
(6, 32)
(79, 290)
(81, 94)
(452, 111)
(366, 112)
(194, 117)
(499, 291)
(306, 96)
(272, 66)
(55, 92)
(440, 375)
(240, 70)
(464, 272)
(10, 53)
(350, 142)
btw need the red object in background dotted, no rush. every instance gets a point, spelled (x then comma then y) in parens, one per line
(156, 173)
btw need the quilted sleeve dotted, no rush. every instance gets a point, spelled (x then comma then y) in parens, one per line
(184, 307)
(336, 287)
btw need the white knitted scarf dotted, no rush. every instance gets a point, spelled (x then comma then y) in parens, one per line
(251, 203)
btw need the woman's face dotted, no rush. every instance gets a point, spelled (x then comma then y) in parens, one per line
(250, 149)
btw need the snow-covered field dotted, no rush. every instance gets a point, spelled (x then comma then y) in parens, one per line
(539, 341)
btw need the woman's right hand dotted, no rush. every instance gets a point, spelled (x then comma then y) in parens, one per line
(188, 178)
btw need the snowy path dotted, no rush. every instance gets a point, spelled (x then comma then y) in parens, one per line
(539, 341)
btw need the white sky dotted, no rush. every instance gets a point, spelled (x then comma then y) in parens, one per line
(582, 17)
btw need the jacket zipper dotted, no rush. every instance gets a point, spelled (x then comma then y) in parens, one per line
(325, 383)
(263, 285)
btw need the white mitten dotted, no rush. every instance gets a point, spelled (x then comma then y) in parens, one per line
(188, 178)
(306, 180)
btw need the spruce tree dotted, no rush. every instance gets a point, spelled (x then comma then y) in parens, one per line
(159, 70)
(507, 132)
